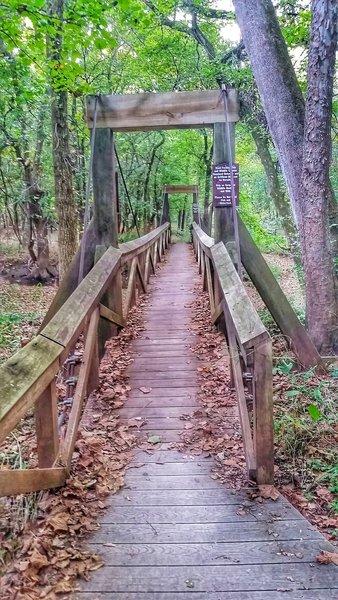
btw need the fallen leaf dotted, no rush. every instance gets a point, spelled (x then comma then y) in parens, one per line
(154, 439)
(145, 390)
(327, 558)
(269, 492)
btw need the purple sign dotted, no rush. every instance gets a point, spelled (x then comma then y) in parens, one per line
(222, 184)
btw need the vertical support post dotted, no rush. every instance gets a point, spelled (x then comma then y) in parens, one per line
(165, 209)
(224, 220)
(46, 423)
(183, 220)
(106, 220)
(104, 189)
(195, 208)
(263, 413)
(179, 219)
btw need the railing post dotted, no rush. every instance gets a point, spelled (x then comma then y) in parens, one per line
(46, 423)
(263, 413)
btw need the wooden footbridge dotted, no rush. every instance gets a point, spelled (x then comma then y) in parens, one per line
(173, 531)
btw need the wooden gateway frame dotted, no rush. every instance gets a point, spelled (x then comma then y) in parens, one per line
(180, 189)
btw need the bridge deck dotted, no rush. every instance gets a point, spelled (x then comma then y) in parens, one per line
(173, 532)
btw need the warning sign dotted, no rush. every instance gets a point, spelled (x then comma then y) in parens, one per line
(222, 184)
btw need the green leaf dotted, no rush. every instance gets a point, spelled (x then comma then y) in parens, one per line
(314, 412)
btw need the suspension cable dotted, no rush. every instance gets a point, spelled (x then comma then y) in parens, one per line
(232, 180)
(127, 192)
(87, 207)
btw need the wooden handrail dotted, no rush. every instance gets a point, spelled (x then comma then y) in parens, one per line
(28, 377)
(250, 352)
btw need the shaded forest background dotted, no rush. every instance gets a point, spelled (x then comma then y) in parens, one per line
(54, 53)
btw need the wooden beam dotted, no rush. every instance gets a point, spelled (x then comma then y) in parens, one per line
(112, 316)
(263, 413)
(248, 326)
(218, 312)
(276, 301)
(68, 444)
(165, 218)
(180, 189)
(130, 294)
(140, 245)
(23, 481)
(223, 217)
(24, 377)
(170, 110)
(46, 423)
(104, 189)
(67, 324)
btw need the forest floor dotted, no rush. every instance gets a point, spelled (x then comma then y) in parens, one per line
(306, 430)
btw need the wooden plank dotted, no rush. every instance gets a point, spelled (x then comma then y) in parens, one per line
(263, 413)
(318, 594)
(65, 327)
(104, 189)
(111, 316)
(24, 481)
(201, 514)
(165, 402)
(167, 423)
(68, 444)
(46, 424)
(24, 377)
(141, 279)
(247, 324)
(176, 482)
(171, 533)
(130, 296)
(276, 301)
(165, 392)
(218, 312)
(223, 553)
(242, 406)
(151, 111)
(219, 496)
(210, 287)
(139, 245)
(180, 189)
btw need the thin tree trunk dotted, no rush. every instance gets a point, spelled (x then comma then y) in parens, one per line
(319, 281)
(63, 179)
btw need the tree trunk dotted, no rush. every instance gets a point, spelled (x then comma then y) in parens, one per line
(278, 87)
(63, 178)
(319, 281)
(285, 112)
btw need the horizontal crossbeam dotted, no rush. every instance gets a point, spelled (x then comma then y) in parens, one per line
(171, 110)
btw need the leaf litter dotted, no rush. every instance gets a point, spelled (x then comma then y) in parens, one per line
(44, 557)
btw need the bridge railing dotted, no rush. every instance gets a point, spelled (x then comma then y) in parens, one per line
(250, 352)
(28, 378)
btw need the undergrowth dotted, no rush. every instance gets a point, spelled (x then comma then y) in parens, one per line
(306, 435)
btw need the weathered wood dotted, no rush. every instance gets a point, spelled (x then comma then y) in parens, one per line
(46, 424)
(223, 553)
(140, 277)
(104, 189)
(66, 325)
(70, 279)
(201, 514)
(263, 413)
(276, 301)
(218, 312)
(248, 326)
(165, 209)
(188, 533)
(140, 245)
(317, 594)
(24, 481)
(149, 111)
(242, 406)
(181, 189)
(223, 217)
(130, 297)
(209, 280)
(106, 328)
(24, 377)
(68, 444)
(111, 316)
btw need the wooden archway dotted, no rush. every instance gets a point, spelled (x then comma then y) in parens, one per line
(180, 189)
